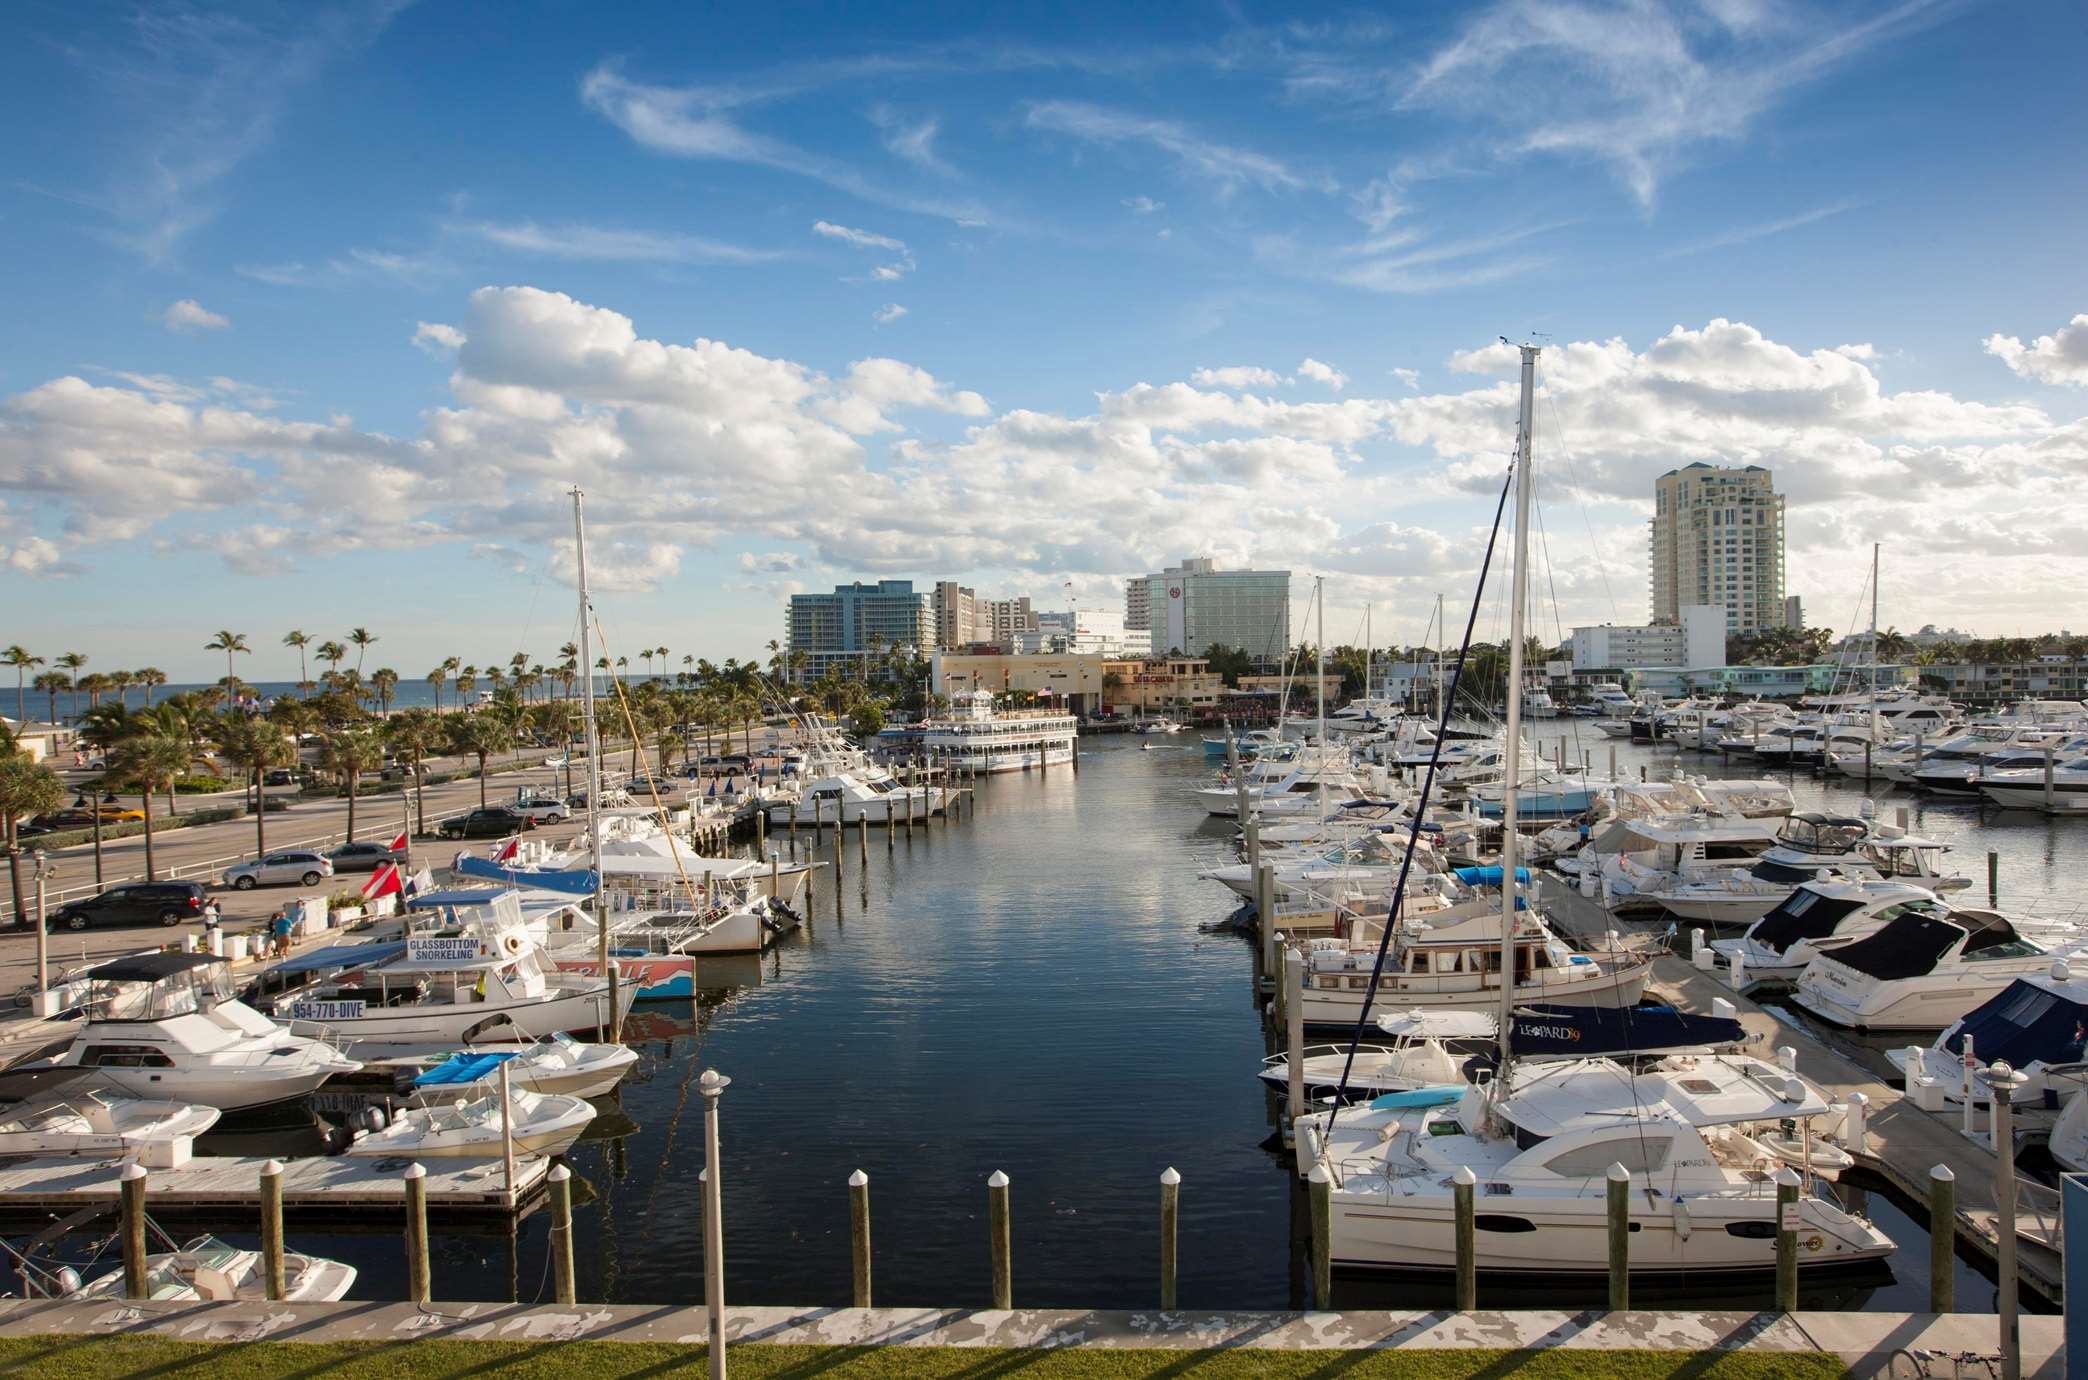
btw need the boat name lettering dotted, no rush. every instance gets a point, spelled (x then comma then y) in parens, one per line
(462, 949)
(327, 1010)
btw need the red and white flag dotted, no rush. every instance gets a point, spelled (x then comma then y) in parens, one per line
(398, 845)
(509, 849)
(383, 882)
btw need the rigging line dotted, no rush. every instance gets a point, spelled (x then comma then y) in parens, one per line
(1573, 478)
(652, 787)
(1551, 583)
(1406, 862)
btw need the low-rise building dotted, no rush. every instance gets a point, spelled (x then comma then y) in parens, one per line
(1161, 684)
(1074, 680)
(1696, 638)
(2002, 682)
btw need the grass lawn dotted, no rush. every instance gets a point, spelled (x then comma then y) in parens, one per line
(134, 1358)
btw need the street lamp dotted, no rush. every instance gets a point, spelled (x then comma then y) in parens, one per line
(43, 934)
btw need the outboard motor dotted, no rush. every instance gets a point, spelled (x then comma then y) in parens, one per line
(371, 1118)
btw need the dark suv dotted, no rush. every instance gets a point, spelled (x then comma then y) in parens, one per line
(366, 856)
(492, 822)
(134, 903)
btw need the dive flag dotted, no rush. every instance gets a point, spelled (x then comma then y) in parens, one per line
(383, 882)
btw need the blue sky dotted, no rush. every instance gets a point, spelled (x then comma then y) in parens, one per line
(320, 308)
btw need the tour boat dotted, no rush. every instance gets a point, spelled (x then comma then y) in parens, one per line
(207, 1270)
(106, 1126)
(169, 1025)
(1922, 972)
(477, 1125)
(974, 738)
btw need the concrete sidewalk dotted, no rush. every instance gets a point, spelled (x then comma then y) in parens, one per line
(1868, 1343)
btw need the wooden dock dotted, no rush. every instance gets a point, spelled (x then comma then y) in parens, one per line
(1904, 1142)
(345, 1185)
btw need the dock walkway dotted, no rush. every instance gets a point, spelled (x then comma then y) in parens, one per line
(345, 1184)
(1904, 1142)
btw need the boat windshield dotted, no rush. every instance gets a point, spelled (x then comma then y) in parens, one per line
(120, 997)
(1804, 914)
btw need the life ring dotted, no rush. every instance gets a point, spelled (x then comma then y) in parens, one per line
(1813, 1243)
(513, 944)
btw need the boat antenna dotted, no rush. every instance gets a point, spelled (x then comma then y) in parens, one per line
(1512, 763)
(1435, 756)
(594, 766)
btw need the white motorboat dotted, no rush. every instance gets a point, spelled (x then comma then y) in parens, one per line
(207, 1270)
(1819, 917)
(2024, 788)
(2013, 766)
(2038, 1024)
(168, 1025)
(1160, 725)
(866, 793)
(1686, 1132)
(1635, 860)
(1810, 846)
(106, 1126)
(477, 1125)
(1419, 1056)
(1921, 972)
(2069, 1139)
(560, 1065)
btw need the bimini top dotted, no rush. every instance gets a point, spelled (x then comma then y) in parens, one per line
(152, 967)
(2036, 1020)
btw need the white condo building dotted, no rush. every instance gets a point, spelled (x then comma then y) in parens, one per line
(1696, 641)
(1718, 538)
(1189, 608)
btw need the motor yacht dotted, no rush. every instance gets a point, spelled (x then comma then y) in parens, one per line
(2024, 788)
(869, 793)
(1811, 845)
(1922, 972)
(170, 1026)
(106, 1126)
(1635, 861)
(2038, 1024)
(1818, 917)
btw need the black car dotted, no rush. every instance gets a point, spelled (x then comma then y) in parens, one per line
(56, 821)
(366, 856)
(135, 903)
(280, 776)
(492, 822)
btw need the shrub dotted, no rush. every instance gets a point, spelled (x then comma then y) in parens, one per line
(202, 785)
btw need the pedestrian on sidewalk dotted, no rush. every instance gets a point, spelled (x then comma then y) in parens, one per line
(279, 933)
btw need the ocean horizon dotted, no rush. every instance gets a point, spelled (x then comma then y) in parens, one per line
(410, 694)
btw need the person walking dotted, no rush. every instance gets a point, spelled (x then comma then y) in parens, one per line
(279, 933)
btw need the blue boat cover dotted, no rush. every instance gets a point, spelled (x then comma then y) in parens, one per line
(578, 882)
(2025, 1024)
(1589, 1030)
(456, 896)
(336, 956)
(1418, 1097)
(461, 1068)
(1488, 876)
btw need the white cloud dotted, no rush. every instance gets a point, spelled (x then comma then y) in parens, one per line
(1410, 377)
(864, 239)
(610, 243)
(888, 313)
(1323, 373)
(38, 557)
(1747, 233)
(2060, 358)
(188, 316)
(1144, 205)
(1239, 376)
(434, 337)
(913, 141)
(1221, 164)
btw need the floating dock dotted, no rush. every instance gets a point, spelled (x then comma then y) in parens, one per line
(344, 1185)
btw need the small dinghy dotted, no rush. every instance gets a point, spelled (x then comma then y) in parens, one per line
(561, 1065)
(1418, 1057)
(105, 1125)
(207, 1270)
(476, 1126)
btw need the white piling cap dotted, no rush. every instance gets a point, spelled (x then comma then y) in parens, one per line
(1787, 1177)
(133, 1170)
(1618, 1174)
(1464, 1176)
(2060, 971)
(703, 1176)
(858, 1179)
(997, 1180)
(271, 1168)
(1857, 1099)
(559, 1174)
(1942, 1175)
(1169, 1178)
(1787, 1055)
(416, 1171)
(712, 1083)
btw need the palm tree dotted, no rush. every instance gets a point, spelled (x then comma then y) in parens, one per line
(466, 678)
(253, 744)
(149, 759)
(26, 788)
(384, 680)
(348, 753)
(479, 735)
(18, 657)
(71, 663)
(228, 642)
(149, 677)
(121, 682)
(333, 654)
(413, 734)
(300, 640)
(52, 683)
(435, 678)
(362, 638)
(94, 685)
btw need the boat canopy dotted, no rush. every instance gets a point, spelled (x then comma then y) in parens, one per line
(1807, 913)
(1421, 1023)
(1552, 1031)
(338, 957)
(460, 1069)
(1910, 944)
(149, 967)
(2032, 1021)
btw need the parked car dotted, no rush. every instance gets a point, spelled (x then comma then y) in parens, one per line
(117, 814)
(366, 856)
(134, 903)
(53, 821)
(492, 822)
(298, 868)
(543, 809)
(280, 776)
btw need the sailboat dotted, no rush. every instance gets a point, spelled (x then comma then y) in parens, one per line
(1542, 1141)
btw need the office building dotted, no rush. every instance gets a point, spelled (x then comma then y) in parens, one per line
(956, 614)
(1794, 613)
(1138, 609)
(1718, 538)
(1192, 607)
(1003, 620)
(854, 627)
(1697, 639)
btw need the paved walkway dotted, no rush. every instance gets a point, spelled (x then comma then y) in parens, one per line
(1868, 1343)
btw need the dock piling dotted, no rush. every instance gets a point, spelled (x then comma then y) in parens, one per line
(562, 1234)
(1786, 1240)
(1265, 906)
(1619, 1204)
(1856, 1123)
(863, 839)
(997, 1242)
(133, 1181)
(859, 1235)
(417, 1284)
(1320, 1184)
(1294, 1029)
(1942, 1225)
(1700, 953)
(1993, 878)
(272, 1229)
(712, 1085)
(507, 1132)
(1462, 1185)
(1170, 1214)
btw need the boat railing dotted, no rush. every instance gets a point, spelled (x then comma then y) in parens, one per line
(2038, 1215)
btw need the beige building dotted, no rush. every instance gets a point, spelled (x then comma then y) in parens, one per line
(1156, 684)
(1718, 538)
(1301, 687)
(956, 614)
(1075, 679)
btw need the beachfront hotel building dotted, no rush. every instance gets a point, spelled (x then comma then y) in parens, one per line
(1718, 538)
(855, 624)
(1186, 609)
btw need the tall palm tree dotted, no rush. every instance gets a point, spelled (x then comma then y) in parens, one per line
(333, 654)
(477, 735)
(94, 685)
(301, 640)
(362, 638)
(467, 677)
(435, 678)
(348, 753)
(53, 683)
(19, 657)
(413, 734)
(228, 642)
(385, 681)
(71, 663)
(253, 744)
(148, 760)
(121, 682)
(150, 677)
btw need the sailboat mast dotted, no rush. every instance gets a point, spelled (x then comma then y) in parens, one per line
(1319, 597)
(1874, 645)
(1511, 774)
(594, 764)
(1441, 633)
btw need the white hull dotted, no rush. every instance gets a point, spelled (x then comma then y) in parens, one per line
(1620, 988)
(408, 1029)
(228, 1089)
(1927, 1003)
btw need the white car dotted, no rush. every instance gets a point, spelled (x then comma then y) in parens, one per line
(298, 868)
(543, 809)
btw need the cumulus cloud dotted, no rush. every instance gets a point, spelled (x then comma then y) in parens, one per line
(1410, 377)
(1143, 205)
(188, 316)
(2058, 358)
(1324, 373)
(434, 337)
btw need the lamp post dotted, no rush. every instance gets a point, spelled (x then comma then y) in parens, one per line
(2002, 1081)
(43, 934)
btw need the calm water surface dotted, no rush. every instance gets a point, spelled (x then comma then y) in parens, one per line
(1032, 991)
